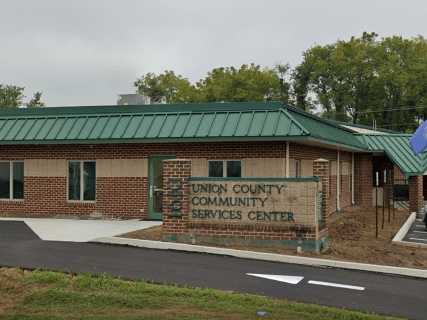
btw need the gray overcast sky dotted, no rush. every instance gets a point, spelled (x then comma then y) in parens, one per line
(85, 52)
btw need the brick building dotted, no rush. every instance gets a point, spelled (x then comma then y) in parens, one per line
(107, 161)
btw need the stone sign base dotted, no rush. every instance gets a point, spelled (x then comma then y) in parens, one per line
(236, 241)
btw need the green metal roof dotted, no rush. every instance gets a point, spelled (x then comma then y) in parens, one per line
(397, 148)
(325, 130)
(195, 123)
(168, 123)
(141, 123)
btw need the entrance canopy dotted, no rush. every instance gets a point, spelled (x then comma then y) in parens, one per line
(397, 148)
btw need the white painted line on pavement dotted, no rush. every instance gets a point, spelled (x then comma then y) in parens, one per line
(420, 231)
(277, 277)
(336, 285)
(418, 239)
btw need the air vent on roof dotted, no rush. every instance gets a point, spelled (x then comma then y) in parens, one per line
(137, 99)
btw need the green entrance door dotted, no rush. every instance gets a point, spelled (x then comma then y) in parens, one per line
(155, 186)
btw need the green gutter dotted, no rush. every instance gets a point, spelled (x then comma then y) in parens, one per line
(179, 140)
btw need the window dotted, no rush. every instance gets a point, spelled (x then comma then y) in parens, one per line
(234, 169)
(216, 169)
(11, 180)
(81, 180)
(297, 168)
(225, 168)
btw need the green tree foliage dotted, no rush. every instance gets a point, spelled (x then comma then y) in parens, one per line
(167, 85)
(362, 79)
(13, 96)
(366, 79)
(246, 83)
(36, 100)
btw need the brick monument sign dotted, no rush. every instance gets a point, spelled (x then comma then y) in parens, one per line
(262, 211)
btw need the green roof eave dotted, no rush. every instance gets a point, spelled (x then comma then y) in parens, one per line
(324, 130)
(337, 144)
(152, 140)
(397, 149)
(300, 139)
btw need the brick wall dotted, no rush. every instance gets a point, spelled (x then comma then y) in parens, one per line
(398, 176)
(321, 169)
(363, 180)
(416, 198)
(47, 196)
(176, 196)
(127, 196)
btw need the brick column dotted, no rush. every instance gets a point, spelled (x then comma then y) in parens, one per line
(175, 203)
(321, 170)
(363, 180)
(416, 198)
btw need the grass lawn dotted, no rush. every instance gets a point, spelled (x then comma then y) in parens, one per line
(51, 295)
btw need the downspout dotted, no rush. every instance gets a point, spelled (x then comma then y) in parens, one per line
(287, 159)
(338, 181)
(352, 178)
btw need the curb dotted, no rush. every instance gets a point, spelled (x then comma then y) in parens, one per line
(398, 238)
(273, 257)
(405, 228)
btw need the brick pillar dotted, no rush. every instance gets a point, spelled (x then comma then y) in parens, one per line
(416, 198)
(175, 203)
(321, 170)
(363, 185)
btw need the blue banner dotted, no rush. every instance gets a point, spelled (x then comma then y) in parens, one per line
(418, 140)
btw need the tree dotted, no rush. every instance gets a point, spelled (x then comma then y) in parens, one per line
(359, 80)
(403, 81)
(167, 85)
(13, 96)
(36, 100)
(246, 83)
(366, 78)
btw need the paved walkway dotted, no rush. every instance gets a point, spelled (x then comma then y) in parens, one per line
(417, 233)
(81, 230)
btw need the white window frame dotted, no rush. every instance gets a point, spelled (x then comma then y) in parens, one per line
(224, 166)
(298, 168)
(82, 181)
(11, 191)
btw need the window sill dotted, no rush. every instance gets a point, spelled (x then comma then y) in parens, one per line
(87, 202)
(12, 200)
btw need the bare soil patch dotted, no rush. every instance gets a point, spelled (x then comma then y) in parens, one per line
(352, 235)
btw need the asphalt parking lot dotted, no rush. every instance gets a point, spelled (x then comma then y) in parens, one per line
(366, 291)
(417, 233)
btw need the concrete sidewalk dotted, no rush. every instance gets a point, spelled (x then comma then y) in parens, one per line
(76, 230)
(417, 233)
